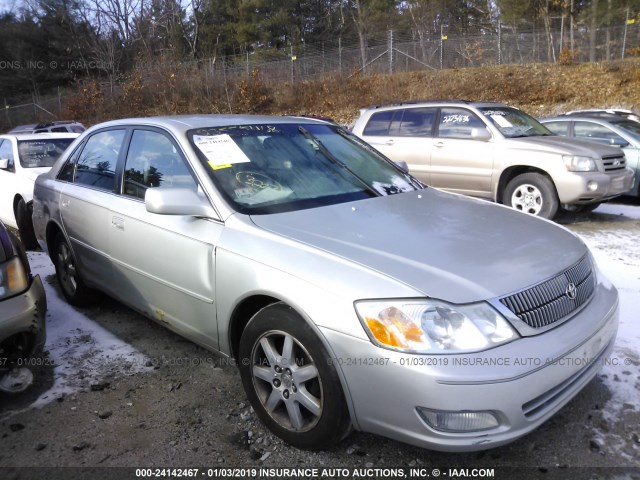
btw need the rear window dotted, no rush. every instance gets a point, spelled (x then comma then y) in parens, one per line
(41, 153)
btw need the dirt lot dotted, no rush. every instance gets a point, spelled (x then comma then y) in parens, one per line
(177, 405)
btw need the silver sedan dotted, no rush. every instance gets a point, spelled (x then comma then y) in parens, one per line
(350, 295)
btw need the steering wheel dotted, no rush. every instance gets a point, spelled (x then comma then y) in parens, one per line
(257, 181)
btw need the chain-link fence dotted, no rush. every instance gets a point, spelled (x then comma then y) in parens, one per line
(387, 52)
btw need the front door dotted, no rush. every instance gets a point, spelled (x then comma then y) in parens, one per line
(459, 162)
(164, 264)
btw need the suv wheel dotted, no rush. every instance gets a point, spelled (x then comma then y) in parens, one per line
(290, 381)
(532, 193)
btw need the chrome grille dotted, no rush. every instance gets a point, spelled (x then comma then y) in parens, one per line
(614, 162)
(548, 302)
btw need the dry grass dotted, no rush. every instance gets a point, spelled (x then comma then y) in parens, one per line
(539, 89)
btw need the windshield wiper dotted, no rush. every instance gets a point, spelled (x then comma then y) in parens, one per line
(322, 149)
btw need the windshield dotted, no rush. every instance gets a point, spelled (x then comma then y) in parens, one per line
(282, 167)
(41, 152)
(514, 123)
(629, 126)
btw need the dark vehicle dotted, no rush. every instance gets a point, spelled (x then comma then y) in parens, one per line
(23, 307)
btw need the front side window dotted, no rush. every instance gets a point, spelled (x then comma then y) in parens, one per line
(97, 162)
(41, 153)
(596, 133)
(514, 123)
(458, 123)
(283, 167)
(154, 161)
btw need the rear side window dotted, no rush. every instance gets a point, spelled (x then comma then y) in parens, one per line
(558, 128)
(96, 164)
(458, 123)
(154, 161)
(379, 123)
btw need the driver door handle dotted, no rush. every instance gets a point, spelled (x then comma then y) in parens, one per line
(117, 222)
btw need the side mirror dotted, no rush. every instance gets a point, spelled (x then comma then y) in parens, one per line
(482, 134)
(619, 142)
(402, 165)
(177, 201)
(4, 163)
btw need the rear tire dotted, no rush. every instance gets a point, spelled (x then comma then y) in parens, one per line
(25, 225)
(290, 381)
(532, 193)
(72, 286)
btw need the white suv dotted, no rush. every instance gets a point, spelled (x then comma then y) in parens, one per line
(494, 151)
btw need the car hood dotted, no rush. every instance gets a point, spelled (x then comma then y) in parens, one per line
(564, 145)
(442, 245)
(33, 173)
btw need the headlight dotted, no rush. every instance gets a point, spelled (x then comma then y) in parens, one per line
(13, 279)
(575, 163)
(431, 326)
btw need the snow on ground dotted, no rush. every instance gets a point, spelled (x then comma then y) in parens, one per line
(83, 351)
(616, 249)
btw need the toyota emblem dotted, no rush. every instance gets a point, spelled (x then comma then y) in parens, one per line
(571, 291)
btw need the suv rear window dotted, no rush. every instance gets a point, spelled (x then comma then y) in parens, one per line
(379, 123)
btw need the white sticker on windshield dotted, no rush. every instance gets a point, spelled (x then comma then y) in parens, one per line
(220, 150)
(501, 121)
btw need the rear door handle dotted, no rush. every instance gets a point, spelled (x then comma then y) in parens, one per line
(439, 144)
(389, 142)
(117, 222)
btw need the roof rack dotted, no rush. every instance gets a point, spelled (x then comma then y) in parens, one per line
(433, 100)
(55, 122)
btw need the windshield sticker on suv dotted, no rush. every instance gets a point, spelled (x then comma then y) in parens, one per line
(220, 150)
(455, 118)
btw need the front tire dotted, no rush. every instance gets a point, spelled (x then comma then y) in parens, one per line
(72, 286)
(532, 193)
(290, 381)
(25, 225)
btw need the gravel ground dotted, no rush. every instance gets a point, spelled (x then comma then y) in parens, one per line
(186, 408)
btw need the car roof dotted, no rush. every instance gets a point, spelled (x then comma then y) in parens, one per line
(183, 123)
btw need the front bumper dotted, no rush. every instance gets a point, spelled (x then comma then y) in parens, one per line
(25, 313)
(574, 187)
(522, 383)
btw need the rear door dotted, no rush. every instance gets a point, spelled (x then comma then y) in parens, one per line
(164, 264)
(84, 203)
(404, 135)
(459, 162)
